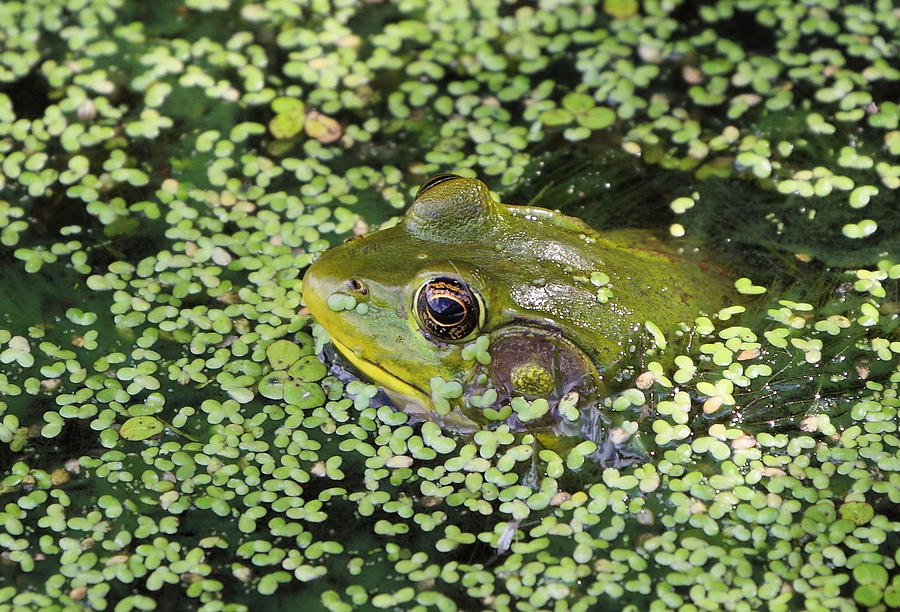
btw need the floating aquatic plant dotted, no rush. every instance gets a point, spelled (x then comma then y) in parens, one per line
(169, 434)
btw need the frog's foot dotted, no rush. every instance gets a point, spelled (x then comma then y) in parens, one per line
(610, 454)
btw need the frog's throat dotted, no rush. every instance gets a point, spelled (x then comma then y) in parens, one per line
(381, 376)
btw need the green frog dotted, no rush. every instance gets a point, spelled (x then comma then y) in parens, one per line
(467, 303)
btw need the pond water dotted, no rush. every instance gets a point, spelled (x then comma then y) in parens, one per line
(169, 170)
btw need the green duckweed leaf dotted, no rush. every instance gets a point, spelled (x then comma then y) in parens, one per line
(282, 353)
(141, 428)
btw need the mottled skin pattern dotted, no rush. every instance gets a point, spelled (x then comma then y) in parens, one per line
(531, 267)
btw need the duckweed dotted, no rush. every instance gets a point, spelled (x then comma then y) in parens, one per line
(172, 435)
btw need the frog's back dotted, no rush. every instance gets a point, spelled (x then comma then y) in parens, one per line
(601, 287)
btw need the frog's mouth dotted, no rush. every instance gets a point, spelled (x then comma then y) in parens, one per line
(382, 377)
(405, 396)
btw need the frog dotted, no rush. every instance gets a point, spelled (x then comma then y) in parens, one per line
(501, 302)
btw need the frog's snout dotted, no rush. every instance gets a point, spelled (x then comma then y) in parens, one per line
(326, 293)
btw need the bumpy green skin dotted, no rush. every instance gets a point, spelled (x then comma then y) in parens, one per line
(532, 267)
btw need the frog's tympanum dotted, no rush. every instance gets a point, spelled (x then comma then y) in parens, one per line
(522, 300)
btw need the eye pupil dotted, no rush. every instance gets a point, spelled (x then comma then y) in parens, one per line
(448, 309)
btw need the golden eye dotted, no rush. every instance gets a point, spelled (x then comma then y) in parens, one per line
(447, 309)
(437, 179)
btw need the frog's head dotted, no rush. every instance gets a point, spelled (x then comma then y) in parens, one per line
(400, 303)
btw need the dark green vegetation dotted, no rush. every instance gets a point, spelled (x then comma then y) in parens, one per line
(170, 168)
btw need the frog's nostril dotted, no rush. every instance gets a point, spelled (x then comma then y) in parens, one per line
(357, 286)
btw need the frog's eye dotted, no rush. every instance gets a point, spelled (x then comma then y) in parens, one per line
(437, 179)
(448, 309)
